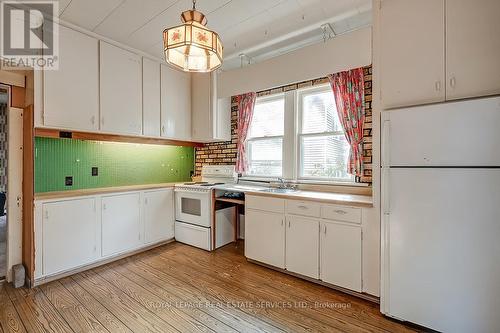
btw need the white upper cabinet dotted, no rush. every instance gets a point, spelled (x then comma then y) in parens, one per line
(436, 50)
(211, 116)
(412, 52)
(472, 48)
(121, 90)
(201, 107)
(71, 95)
(158, 215)
(175, 104)
(151, 101)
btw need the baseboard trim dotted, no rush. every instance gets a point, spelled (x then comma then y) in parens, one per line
(57, 276)
(365, 296)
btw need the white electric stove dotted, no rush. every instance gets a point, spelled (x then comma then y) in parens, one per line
(193, 210)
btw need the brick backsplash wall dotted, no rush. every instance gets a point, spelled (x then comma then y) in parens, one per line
(218, 153)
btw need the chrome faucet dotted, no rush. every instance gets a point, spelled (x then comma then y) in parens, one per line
(282, 183)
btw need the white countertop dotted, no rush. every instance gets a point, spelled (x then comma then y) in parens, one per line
(326, 197)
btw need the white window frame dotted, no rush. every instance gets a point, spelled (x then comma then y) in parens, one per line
(268, 98)
(291, 154)
(300, 93)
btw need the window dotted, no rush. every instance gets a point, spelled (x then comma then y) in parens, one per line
(298, 135)
(323, 148)
(265, 138)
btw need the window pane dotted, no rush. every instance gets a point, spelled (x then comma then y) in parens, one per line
(268, 118)
(325, 157)
(265, 157)
(319, 113)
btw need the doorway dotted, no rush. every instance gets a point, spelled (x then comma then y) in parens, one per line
(11, 178)
(4, 102)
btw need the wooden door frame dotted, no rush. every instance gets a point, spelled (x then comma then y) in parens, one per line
(28, 252)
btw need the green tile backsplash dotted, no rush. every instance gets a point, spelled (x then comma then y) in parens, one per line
(119, 164)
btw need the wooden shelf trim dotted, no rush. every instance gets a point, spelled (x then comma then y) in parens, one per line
(57, 133)
(234, 201)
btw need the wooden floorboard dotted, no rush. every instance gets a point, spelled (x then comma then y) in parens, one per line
(177, 288)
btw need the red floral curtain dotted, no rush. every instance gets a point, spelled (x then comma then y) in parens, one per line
(246, 103)
(349, 91)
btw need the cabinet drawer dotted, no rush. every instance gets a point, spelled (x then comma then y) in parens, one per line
(304, 208)
(341, 213)
(267, 204)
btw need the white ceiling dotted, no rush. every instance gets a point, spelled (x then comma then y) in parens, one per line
(258, 28)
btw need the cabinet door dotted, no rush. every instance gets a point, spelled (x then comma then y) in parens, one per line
(223, 119)
(412, 52)
(265, 237)
(472, 48)
(71, 93)
(341, 255)
(121, 223)
(121, 90)
(201, 110)
(69, 235)
(158, 215)
(175, 104)
(151, 92)
(302, 246)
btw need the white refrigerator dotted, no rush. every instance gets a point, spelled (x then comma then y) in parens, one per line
(441, 215)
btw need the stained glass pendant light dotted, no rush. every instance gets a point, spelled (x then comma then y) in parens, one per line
(192, 47)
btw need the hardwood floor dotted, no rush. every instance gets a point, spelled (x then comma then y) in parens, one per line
(177, 288)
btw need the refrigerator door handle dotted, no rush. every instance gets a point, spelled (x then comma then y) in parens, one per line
(386, 135)
(386, 204)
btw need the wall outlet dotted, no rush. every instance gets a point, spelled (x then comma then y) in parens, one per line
(68, 181)
(95, 171)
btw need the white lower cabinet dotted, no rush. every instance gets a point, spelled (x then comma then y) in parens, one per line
(265, 237)
(319, 241)
(78, 231)
(302, 246)
(121, 223)
(158, 215)
(341, 255)
(70, 234)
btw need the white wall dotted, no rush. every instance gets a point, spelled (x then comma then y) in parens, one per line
(340, 53)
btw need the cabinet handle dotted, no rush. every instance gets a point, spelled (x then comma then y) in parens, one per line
(453, 82)
(163, 129)
(324, 229)
(104, 206)
(302, 207)
(289, 224)
(282, 222)
(145, 201)
(438, 85)
(92, 120)
(46, 214)
(340, 211)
